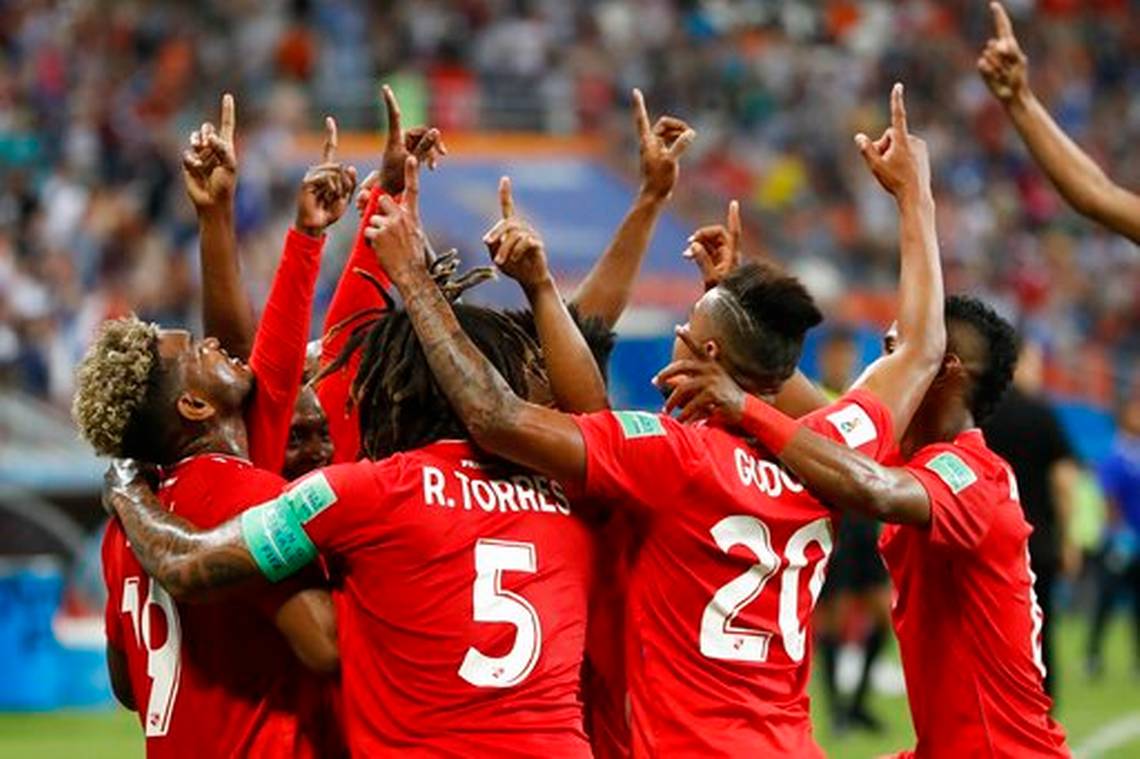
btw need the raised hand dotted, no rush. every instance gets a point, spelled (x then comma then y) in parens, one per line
(1003, 66)
(209, 167)
(326, 188)
(715, 249)
(515, 246)
(898, 159)
(395, 231)
(424, 143)
(661, 148)
(699, 387)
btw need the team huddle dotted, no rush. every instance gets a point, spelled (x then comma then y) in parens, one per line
(432, 536)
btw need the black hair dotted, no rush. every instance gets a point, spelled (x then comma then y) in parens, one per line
(150, 434)
(600, 339)
(998, 346)
(401, 406)
(765, 314)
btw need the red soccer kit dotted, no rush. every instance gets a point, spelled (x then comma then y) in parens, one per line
(965, 613)
(732, 557)
(209, 679)
(463, 616)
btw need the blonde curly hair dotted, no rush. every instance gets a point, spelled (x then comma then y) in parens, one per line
(113, 381)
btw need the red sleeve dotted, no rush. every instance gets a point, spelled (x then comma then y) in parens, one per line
(353, 294)
(113, 580)
(635, 459)
(858, 420)
(346, 505)
(963, 501)
(278, 356)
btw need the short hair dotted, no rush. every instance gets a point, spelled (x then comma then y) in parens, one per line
(992, 345)
(118, 384)
(401, 405)
(765, 314)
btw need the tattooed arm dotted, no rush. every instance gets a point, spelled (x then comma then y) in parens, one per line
(500, 422)
(188, 562)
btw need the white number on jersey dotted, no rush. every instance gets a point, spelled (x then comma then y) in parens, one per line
(163, 664)
(721, 637)
(493, 604)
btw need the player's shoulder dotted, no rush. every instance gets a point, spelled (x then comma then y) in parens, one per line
(967, 463)
(857, 418)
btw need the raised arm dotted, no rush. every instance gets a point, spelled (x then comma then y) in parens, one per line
(209, 169)
(353, 294)
(278, 356)
(1076, 176)
(500, 422)
(518, 251)
(606, 290)
(839, 476)
(899, 161)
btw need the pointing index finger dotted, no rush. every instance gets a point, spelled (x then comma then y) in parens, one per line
(898, 109)
(1002, 23)
(506, 201)
(640, 116)
(328, 154)
(734, 224)
(393, 115)
(229, 118)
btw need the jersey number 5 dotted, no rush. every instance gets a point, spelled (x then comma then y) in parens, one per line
(163, 664)
(493, 604)
(721, 637)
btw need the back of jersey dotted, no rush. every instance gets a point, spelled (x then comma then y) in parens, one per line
(209, 679)
(722, 589)
(464, 617)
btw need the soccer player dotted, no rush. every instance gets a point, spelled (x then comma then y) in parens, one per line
(956, 544)
(465, 581)
(285, 421)
(207, 679)
(733, 551)
(1076, 176)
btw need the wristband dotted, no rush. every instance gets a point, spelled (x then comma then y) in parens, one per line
(771, 427)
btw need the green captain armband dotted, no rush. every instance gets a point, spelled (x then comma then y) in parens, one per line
(276, 539)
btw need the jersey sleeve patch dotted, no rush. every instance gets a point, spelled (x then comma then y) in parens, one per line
(310, 497)
(276, 539)
(637, 424)
(854, 425)
(953, 471)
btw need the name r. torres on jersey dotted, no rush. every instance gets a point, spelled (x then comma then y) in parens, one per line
(454, 489)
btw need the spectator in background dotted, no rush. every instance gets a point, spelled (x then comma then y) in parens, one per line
(1120, 560)
(857, 586)
(1025, 432)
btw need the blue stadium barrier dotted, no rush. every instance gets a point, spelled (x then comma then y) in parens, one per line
(30, 592)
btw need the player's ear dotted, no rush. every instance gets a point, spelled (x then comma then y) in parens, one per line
(194, 408)
(712, 349)
(951, 368)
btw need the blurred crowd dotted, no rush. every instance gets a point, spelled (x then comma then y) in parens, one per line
(97, 100)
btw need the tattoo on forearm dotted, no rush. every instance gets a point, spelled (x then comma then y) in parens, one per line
(477, 392)
(183, 559)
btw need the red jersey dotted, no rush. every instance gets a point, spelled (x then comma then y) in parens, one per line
(730, 564)
(209, 679)
(463, 615)
(965, 613)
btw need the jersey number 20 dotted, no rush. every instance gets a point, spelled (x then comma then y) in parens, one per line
(163, 664)
(721, 637)
(493, 604)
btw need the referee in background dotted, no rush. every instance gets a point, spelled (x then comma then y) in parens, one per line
(1025, 432)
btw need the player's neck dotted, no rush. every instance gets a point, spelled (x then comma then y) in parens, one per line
(941, 425)
(226, 436)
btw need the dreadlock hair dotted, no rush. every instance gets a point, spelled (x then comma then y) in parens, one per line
(400, 404)
(980, 337)
(764, 315)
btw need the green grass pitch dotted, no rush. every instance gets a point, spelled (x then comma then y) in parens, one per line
(1086, 710)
